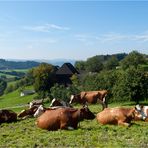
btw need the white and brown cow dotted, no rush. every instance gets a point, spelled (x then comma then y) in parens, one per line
(35, 103)
(25, 113)
(7, 116)
(116, 116)
(141, 113)
(90, 97)
(58, 102)
(63, 118)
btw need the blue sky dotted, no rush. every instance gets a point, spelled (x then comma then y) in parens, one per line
(72, 30)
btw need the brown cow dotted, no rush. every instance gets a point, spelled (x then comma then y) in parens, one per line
(7, 116)
(90, 97)
(116, 116)
(63, 118)
(141, 113)
(28, 112)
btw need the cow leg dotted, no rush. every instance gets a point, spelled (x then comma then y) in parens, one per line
(123, 123)
(105, 102)
(102, 103)
(70, 128)
(66, 127)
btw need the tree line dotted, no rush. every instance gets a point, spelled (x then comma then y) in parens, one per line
(4, 64)
(125, 78)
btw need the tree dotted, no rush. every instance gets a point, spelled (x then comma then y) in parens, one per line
(132, 85)
(9, 88)
(94, 64)
(44, 78)
(133, 59)
(80, 65)
(112, 63)
(62, 92)
(3, 85)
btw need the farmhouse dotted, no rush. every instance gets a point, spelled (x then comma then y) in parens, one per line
(64, 73)
(27, 92)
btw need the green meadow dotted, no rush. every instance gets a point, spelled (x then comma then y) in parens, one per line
(24, 133)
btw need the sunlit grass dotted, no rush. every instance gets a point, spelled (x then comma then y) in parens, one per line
(89, 134)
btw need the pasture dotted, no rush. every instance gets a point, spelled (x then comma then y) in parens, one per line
(24, 133)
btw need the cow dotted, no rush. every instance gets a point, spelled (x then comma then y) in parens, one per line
(141, 113)
(35, 103)
(28, 112)
(116, 116)
(63, 118)
(39, 111)
(57, 102)
(7, 116)
(90, 97)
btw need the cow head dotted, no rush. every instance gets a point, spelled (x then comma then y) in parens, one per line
(139, 113)
(39, 111)
(53, 102)
(85, 113)
(74, 98)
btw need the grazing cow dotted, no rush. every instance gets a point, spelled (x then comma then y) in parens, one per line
(116, 116)
(56, 102)
(141, 113)
(90, 97)
(27, 112)
(7, 116)
(63, 118)
(35, 103)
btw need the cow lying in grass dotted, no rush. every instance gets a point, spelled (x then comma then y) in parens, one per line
(35, 111)
(141, 113)
(7, 116)
(63, 118)
(57, 102)
(28, 112)
(36, 103)
(116, 116)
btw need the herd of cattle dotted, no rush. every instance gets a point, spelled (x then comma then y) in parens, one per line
(62, 115)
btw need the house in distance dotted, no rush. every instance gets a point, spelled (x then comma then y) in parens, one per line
(64, 73)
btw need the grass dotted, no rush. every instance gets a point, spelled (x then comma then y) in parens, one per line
(14, 99)
(24, 133)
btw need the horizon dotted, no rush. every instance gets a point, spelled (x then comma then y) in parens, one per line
(72, 30)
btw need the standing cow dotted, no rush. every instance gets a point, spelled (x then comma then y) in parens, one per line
(7, 116)
(90, 97)
(116, 116)
(63, 118)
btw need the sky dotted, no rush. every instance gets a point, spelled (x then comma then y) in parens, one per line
(71, 29)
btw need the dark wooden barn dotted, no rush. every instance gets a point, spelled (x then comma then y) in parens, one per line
(64, 73)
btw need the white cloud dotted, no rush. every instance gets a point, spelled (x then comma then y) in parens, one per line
(46, 28)
(112, 37)
(142, 37)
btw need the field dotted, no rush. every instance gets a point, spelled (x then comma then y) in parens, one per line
(24, 133)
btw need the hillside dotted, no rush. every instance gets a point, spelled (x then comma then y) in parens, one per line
(4, 64)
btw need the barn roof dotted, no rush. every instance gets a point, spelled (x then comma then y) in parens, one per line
(67, 69)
